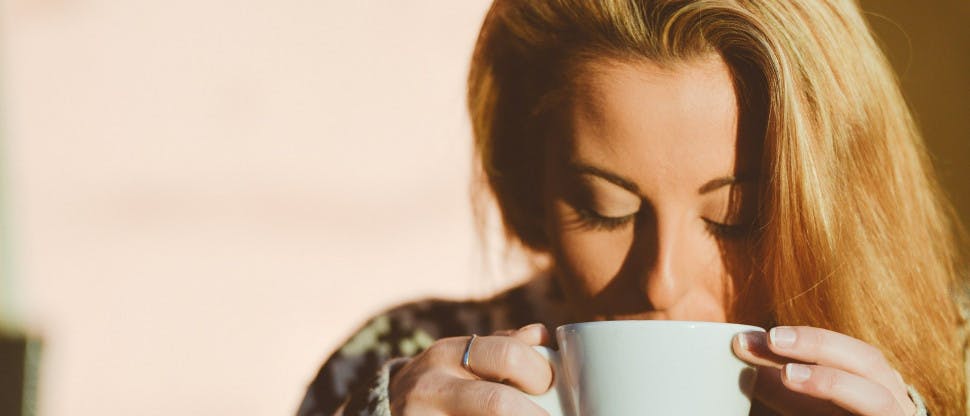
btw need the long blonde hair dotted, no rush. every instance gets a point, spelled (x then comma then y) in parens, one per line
(856, 235)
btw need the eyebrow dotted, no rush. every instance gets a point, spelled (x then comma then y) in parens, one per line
(711, 185)
(718, 183)
(611, 177)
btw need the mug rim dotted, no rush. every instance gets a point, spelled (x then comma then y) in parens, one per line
(660, 323)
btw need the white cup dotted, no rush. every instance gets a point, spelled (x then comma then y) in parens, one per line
(613, 368)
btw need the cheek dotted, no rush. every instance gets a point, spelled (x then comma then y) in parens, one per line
(590, 258)
(718, 279)
(744, 284)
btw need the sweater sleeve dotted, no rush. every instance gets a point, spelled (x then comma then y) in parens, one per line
(347, 379)
(918, 401)
(374, 400)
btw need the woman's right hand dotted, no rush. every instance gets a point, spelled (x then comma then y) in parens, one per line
(503, 366)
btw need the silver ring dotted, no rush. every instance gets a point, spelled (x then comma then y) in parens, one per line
(468, 350)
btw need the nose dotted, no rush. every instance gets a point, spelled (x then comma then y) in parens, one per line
(665, 278)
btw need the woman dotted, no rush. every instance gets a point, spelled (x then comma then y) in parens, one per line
(743, 161)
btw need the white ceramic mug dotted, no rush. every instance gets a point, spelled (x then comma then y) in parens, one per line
(613, 368)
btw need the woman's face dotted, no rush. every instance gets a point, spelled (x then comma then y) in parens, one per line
(648, 204)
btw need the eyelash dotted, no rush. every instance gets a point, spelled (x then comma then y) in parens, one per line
(727, 231)
(595, 221)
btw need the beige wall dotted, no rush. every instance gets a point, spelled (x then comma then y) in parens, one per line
(205, 196)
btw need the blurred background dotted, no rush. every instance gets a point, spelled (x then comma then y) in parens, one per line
(200, 199)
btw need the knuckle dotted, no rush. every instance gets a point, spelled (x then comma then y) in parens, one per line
(498, 401)
(508, 354)
(438, 350)
(873, 361)
(884, 403)
(812, 340)
(832, 382)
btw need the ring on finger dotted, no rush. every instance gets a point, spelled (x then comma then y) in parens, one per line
(464, 357)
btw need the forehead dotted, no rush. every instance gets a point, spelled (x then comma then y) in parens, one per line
(660, 126)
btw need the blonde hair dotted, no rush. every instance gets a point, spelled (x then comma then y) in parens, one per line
(856, 235)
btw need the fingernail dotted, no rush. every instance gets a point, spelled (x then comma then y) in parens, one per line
(742, 341)
(782, 336)
(751, 341)
(797, 373)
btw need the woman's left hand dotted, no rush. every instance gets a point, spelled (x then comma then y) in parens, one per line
(811, 371)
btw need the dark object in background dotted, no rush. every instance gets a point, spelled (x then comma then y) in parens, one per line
(18, 373)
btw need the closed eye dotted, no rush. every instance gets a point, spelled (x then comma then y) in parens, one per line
(593, 220)
(727, 231)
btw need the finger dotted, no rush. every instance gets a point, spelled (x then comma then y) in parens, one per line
(771, 392)
(476, 397)
(508, 360)
(855, 394)
(752, 347)
(504, 333)
(534, 334)
(832, 349)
